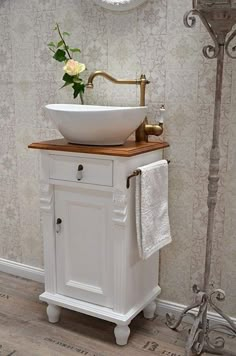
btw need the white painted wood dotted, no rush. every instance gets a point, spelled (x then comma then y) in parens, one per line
(37, 274)
(122, 333)
(94, 187)
(83, 247)
(53, 313)
(96, 310)
(133, 277)
(149, 310)
(120, 232)
(92, 263)
(80, 154)
(22, 270)
(48, 223)
(95, 171)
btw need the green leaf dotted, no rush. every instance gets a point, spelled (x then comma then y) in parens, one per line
(60, 55)
(59, 44)
(75, 50)
(76, 79)
(68, 78)
(78, 88)
(51, 44)
(65, 85)
(66, 34)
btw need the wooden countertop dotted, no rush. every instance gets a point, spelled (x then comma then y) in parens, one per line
(129, 149)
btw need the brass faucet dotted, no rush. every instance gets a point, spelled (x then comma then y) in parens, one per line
(145, 129)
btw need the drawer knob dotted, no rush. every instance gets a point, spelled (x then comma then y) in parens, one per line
(80, 172)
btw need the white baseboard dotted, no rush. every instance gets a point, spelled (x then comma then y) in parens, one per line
(37, 274)
(21, 270)
(164, 306)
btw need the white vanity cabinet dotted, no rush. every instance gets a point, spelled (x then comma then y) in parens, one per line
(91, 256)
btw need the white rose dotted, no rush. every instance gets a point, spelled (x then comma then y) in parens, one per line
(73, 67)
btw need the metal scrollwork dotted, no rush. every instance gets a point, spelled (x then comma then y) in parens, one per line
(171, 321)
(198, 342)
(200, 338)
(196, 339)
(216, 344)
(219, 294)
(218, 21)
(228, 44)
(209, 51)
(189, 21)
(199, 301)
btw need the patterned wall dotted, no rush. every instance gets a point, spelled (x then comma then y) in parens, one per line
(150, 40)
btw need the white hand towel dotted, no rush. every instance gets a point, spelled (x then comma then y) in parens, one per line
(152, 219)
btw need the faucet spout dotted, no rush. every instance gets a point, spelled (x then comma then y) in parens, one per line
(114, 80)
(144, 130)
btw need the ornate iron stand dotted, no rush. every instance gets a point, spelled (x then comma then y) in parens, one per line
(218, 16)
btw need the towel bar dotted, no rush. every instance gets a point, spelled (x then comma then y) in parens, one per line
(135, 173)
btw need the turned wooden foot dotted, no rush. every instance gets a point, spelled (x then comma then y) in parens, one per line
(149, 311)
(53, 312)
(122, 334)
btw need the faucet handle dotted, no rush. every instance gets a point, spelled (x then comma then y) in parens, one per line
(162, 114)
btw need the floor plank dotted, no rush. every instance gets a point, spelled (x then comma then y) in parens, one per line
(24, 329)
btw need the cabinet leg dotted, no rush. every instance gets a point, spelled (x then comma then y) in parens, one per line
(53, 312)
(122, 334)
(149, 311)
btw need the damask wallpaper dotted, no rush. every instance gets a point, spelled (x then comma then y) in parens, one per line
(152, 40)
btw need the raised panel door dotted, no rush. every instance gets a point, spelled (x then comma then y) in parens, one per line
(83, 244)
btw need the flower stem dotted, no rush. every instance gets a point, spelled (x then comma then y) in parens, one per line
(81, 98)
(66, 49)
(51, 50)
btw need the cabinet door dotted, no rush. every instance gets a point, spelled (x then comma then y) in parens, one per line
(83, 244)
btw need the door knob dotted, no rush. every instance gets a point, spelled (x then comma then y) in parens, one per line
(80, 172)
(58, 225)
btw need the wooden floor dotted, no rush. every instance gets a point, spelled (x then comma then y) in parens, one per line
(25, 331)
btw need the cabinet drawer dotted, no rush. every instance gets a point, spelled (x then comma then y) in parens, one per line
(81, 170)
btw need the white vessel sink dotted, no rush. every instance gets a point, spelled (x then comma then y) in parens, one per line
(96, 125)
